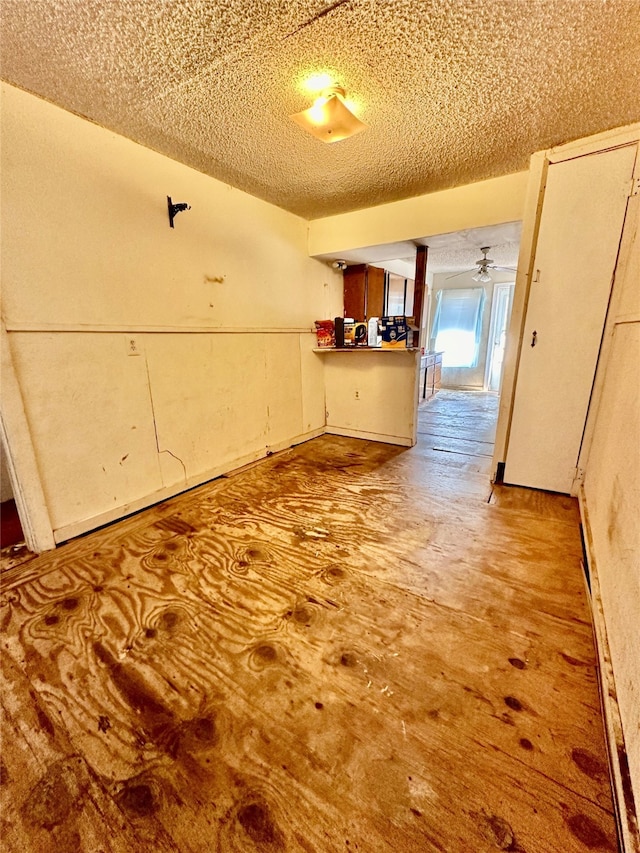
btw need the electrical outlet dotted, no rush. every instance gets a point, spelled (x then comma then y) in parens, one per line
(133, 346)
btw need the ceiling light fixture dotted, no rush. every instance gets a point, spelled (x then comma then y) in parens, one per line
(482, 275)
(484, 265)
(329, 118)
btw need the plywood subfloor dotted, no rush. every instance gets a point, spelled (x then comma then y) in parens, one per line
(345, 647)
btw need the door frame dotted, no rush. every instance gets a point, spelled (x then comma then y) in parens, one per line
(21, 458)
(606, 342)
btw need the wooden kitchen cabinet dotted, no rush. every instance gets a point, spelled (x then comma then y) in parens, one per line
(437, 372)
(363, 292)
(430, 374)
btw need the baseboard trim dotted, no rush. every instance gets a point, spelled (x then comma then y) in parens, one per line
(401, 440)
(77, 528)
(499, 477)
(623, 797)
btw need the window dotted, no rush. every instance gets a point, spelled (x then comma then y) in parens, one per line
(458, 325)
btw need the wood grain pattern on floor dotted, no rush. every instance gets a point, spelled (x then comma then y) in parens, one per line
(345, 647)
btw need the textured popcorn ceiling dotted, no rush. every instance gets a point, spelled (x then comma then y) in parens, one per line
(453, 91)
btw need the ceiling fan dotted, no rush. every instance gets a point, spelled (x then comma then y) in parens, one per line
(483, 265)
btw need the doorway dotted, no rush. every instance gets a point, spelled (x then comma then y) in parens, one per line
(461, 420)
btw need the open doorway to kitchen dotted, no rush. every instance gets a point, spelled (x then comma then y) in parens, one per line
(469, 312)
(469, 322)
(466, 301)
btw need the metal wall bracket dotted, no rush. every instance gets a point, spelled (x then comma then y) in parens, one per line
(174, 209)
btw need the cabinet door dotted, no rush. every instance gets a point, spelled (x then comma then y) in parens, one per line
(437, 375)
(355, 292)
(430, 378)
(582, 218)
(375, 292)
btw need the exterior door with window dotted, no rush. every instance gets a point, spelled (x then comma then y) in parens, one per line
(582, 218)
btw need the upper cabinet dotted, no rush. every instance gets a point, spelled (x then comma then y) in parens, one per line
(373, 292)
(363, 292)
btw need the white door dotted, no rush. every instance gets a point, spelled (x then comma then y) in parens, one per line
(582, 217)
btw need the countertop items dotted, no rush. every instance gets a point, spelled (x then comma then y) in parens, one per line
(366, 349)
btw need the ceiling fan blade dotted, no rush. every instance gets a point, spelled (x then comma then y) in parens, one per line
(506, 269)
(456, 274)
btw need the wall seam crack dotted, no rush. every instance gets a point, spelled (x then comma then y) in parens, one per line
(177, 458)
(153, 416)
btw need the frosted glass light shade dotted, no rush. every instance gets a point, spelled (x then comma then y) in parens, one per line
(329, 119)
(483, 276)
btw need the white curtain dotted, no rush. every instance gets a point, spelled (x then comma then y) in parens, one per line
(458, 325)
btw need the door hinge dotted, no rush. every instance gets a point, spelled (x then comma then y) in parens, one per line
(635, 187)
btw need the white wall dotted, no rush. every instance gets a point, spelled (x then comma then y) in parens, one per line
(611, 489)
(220, 308)
(372, 394)
(490, 202)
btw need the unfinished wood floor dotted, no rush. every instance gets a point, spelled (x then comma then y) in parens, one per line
(350, 646)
